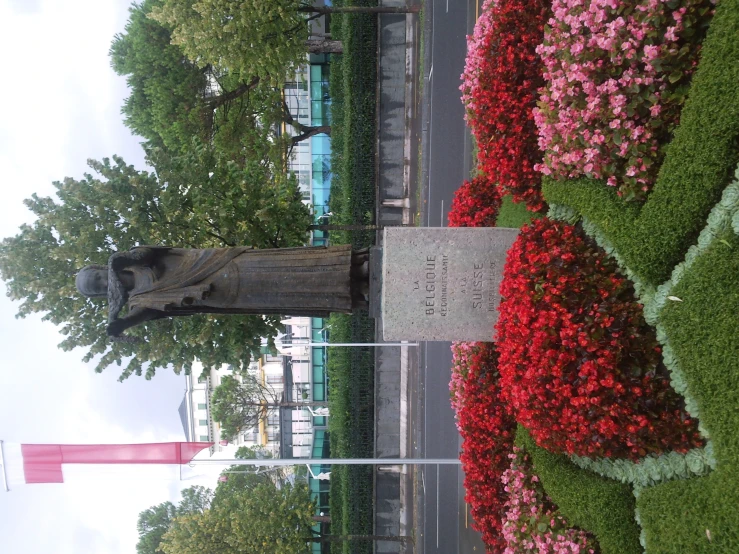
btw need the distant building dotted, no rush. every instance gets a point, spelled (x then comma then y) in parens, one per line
(296, 373)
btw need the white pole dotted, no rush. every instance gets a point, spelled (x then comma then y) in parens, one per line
(282, 344)
(329, 461)
(2, 463)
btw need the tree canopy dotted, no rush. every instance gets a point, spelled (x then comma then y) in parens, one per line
(264, 519)
(240, 404)
(200, 199)
(173, 99)
(238, 478)
(251, 37)
(154, 522)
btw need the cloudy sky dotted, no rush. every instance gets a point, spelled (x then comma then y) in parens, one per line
(59, 106)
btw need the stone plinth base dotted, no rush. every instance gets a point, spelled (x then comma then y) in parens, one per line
(441, 284)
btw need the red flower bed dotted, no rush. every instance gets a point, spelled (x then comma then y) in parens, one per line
(476, 204)
(579, 366)
(500, 81)
(487, 433)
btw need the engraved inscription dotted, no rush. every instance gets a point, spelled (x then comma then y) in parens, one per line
(493, 288)
(430, 284)
(477, 278)
(444, 309)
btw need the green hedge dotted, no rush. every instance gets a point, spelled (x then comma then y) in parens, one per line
(601, 506)
(701, 330)
(353, 84)
(351, 370)
(653, 238)
(703, 333)
(351, 428)
(678, 517)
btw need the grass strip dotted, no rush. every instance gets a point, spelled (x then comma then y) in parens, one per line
(694, 515)
(703, 153)
(514, 215)
(702, 333)
(601, 506)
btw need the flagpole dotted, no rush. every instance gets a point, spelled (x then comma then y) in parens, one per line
(2, 463)
(259, 462)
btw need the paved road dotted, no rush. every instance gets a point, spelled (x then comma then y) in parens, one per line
(446, 161)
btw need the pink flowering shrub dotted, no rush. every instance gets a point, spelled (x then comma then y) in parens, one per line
(532, 522)
(617, 74)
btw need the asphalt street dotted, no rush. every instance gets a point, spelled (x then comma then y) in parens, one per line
(444, 524)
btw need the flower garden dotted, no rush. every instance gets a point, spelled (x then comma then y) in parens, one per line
(604, 417)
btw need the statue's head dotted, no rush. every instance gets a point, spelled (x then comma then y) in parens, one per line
(92, 280)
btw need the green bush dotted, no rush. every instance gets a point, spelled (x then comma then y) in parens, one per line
(353, 116)
(586, 500)
(692, 516)
(351, 370)
(351, 428)
(652, 238)
(703, 335)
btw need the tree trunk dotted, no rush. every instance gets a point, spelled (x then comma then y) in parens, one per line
(308, 132)
(325, 10)
(305, 131)
(343, 538)
(285, 404)
(344, 227)
(299, 405)
(221, 99)
(324, 46)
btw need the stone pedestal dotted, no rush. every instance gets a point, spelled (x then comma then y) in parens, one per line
(441, 284)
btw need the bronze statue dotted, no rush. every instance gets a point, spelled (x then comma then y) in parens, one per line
(159, 282)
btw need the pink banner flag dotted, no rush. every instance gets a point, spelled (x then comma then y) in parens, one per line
(42, 463)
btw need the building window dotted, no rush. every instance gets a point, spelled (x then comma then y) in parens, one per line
(273, 419)
(274, 379)
(203, 438)
(271, 358)
(203, 422)
(202, 407)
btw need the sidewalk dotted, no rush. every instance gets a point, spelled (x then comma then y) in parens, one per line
(397, 163)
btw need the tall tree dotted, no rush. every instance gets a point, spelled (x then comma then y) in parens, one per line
(198, 200)
(259, 520)
(195, 500)
(154, 522)
(263, 520)
(237, 478)
(171, 98)
(264, 39)
(241, 403)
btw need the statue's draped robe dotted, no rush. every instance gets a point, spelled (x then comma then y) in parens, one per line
(310, 281)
